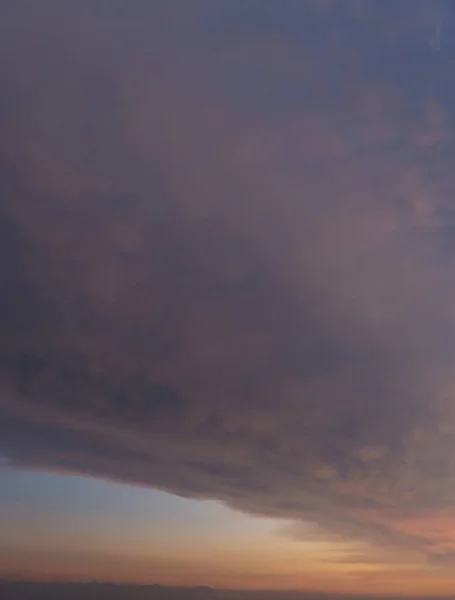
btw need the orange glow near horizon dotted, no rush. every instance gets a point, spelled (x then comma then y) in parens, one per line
(236, 552)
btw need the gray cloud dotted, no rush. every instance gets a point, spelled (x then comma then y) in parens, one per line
(258, 310)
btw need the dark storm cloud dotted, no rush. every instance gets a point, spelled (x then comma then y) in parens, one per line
(226, 292)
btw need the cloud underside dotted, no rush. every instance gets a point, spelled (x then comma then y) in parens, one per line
(246, 301)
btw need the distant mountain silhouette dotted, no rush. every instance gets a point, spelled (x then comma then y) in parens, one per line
(23, 590)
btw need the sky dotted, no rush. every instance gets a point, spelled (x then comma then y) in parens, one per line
(227, 293)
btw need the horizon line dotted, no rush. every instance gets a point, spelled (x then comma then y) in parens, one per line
(209, 588)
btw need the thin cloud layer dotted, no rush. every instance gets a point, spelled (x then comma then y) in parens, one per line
(227, 259)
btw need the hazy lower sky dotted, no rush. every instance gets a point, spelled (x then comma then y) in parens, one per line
(71, 528)
(227, 293)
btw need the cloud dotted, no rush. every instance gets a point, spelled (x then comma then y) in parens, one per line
(225, 294)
